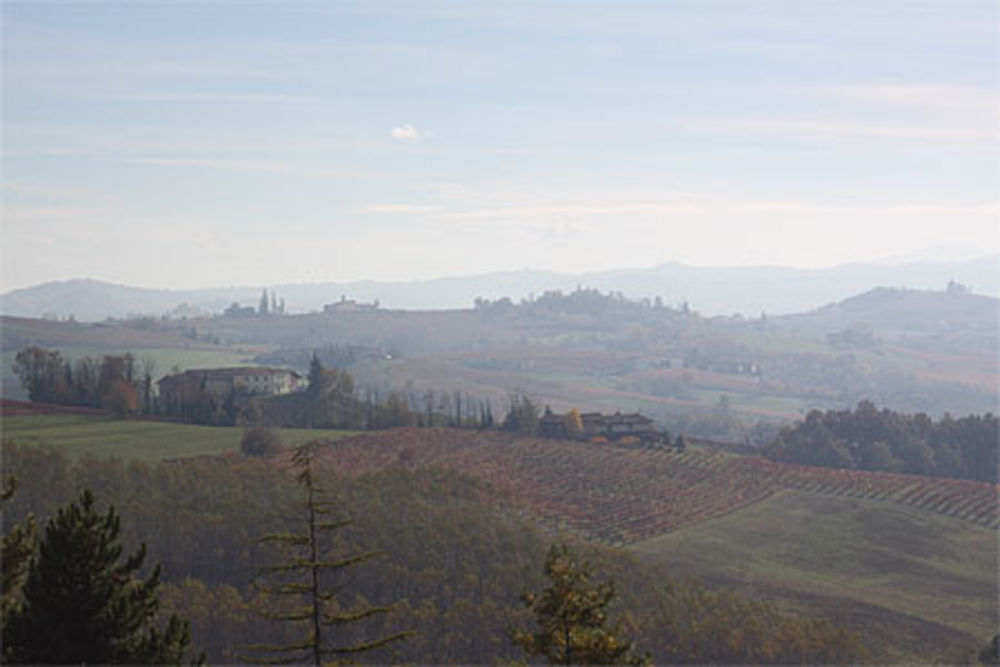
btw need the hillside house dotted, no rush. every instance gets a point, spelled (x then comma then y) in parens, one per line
(236, 310)
(613, 427)
(246, 381)
(346, 305)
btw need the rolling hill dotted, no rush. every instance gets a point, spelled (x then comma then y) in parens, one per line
(935, 317)
(908, 562)
(710, 290)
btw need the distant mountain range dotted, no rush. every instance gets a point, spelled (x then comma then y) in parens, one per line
(712, 291)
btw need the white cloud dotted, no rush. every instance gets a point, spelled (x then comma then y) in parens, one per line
(824, 129)
(916, 95)
(211, 98)
(401, 208)
(253, 166)
(410, 133)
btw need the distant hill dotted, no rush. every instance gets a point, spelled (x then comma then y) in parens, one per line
(938, 316)
(711, 291)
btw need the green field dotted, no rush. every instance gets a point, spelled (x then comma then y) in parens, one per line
(146, 441)
(921, 585)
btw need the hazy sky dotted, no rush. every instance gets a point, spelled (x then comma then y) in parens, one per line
(184, 144)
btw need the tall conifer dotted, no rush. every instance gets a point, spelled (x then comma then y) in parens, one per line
(301, 597)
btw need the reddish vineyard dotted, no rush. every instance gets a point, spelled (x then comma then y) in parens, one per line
(624, 495)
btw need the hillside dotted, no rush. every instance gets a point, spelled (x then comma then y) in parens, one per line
(882, 570)
(909, 350)
(624, 495)
(710, 290)
(909, 562)
(930, 317)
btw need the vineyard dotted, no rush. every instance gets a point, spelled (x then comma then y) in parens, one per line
(622, 495)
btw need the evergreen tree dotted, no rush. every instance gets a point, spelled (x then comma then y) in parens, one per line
(522, 417)
(316, 375)
(302, 570)
(82, 605)
(990, 654)
(572, 618)
(262, 309)
(15, 552)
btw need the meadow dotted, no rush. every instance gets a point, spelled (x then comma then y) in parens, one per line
(139, 440)
(881, 569)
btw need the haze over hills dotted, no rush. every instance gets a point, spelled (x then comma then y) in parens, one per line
(710, 290)
(941, 317)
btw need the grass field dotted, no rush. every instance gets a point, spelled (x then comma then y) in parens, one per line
(146, 441)
(919, 586)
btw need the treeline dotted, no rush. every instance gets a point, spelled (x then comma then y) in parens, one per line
(867, 438)
(454, 568)
(582, 301)
(124, 385)
(119, 383)
(331, 400)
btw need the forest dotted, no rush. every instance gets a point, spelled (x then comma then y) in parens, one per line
(867, 438)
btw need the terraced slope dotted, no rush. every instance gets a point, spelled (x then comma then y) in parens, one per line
(908, 562)
(625, 495)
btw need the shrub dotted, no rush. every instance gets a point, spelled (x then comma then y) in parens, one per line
(260, 441)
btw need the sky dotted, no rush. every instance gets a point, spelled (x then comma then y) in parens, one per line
(193, 144)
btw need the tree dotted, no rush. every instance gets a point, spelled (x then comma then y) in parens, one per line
(15, 552)
(41, 373)
(574, 424)
(301, 573)
(148, 371)
(394, 411)
(990, 654)
(572, 618)
(82, 605)
(121, 399)
(260, 441)
(522, 416)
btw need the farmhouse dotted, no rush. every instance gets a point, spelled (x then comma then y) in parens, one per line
(595, 424)
(219, 383)
(346, 305)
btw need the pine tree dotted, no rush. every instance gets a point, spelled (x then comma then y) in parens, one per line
(300, 574)
(15, 551)
(572, 619)
(82, 605)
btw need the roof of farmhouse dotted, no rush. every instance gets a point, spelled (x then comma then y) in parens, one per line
(230, 372)
(617, 418)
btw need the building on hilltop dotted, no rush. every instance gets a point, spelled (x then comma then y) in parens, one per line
(346, 305)
(236, 310)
